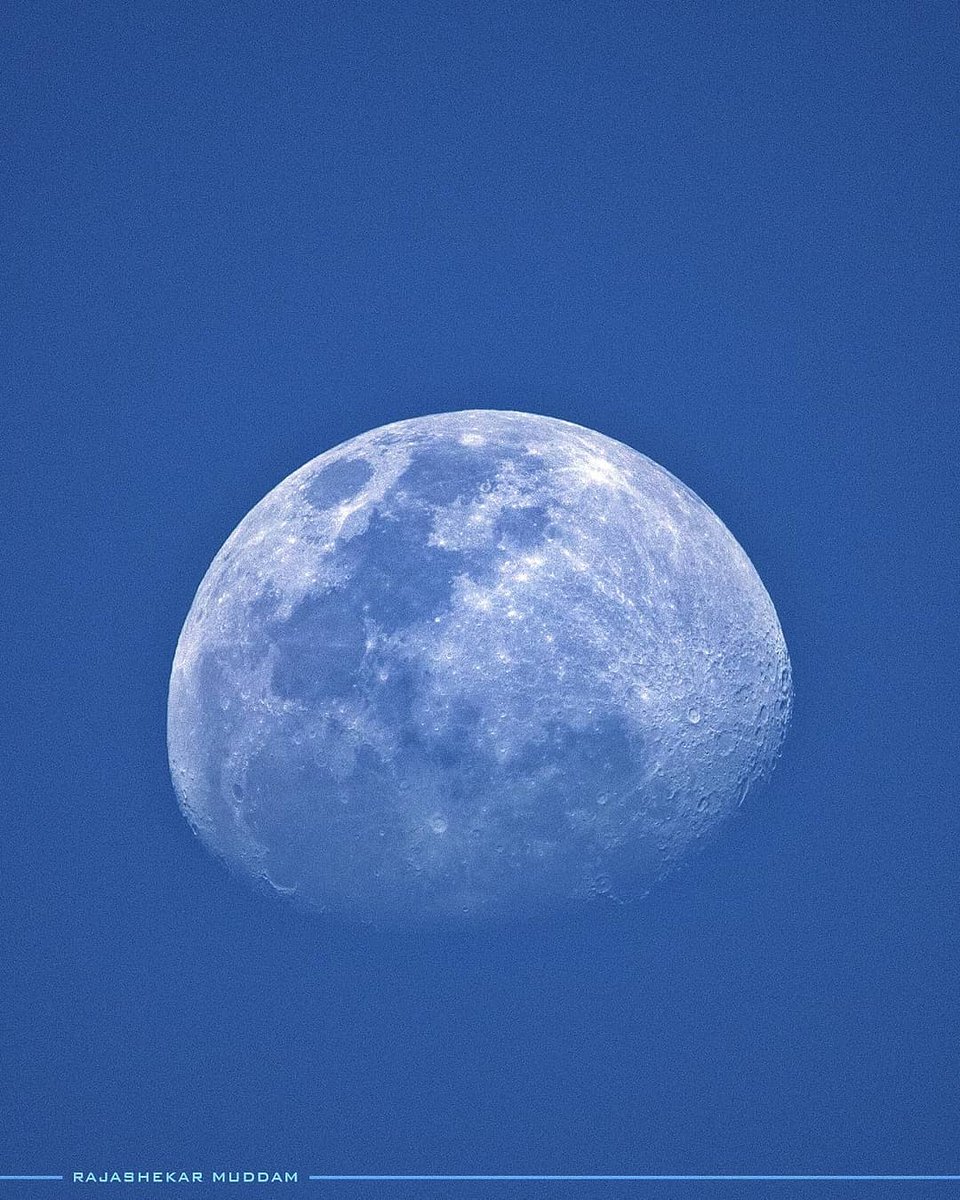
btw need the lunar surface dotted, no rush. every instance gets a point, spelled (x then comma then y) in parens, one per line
(474, 664)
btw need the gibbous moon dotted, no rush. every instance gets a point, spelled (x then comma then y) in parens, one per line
(474, 664)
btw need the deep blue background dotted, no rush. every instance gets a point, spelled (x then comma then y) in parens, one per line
(236, 235)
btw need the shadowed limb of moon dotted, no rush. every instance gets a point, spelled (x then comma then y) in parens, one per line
(479, 663)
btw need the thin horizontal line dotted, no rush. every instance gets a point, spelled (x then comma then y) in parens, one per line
(637, 1178)
(23, 1178)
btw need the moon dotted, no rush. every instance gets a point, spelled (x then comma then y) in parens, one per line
(476, 664)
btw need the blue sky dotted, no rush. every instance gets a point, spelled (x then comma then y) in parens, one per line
(724, 234)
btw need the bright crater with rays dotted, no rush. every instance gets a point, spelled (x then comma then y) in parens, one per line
(475, 664)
